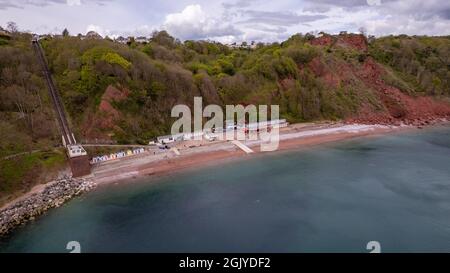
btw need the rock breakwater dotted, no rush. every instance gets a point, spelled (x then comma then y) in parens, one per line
(53, 195)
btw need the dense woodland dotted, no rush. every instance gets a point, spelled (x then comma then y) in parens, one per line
(310, 81)
(165, 72)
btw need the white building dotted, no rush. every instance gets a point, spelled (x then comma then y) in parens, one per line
(165, 139)
(76, 150)
(190, 136)
(210, 136)
(142, 40)
(121, 40)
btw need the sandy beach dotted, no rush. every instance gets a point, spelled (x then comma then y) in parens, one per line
(192, 155)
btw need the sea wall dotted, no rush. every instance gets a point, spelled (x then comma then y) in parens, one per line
(53, 195)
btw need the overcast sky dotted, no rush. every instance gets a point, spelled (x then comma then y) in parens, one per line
(229, 21)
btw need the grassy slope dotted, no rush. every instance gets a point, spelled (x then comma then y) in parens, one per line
(20, 174)
(26, 121)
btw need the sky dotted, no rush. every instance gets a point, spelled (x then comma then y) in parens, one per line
(229, 21)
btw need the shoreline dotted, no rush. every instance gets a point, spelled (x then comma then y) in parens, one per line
(157, 168)
(54, 194)
(214, 158)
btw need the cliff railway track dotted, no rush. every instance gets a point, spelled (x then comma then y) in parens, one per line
(67, 135)
(78, 158)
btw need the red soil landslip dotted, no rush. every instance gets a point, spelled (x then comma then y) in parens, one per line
(400, 107)
(106, 115)
(397, 106)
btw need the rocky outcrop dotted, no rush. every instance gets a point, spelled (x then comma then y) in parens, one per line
(353, 41)
(325, 40)
(52, 196)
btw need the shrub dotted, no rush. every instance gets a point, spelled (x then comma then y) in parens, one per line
(301, 54)
(114, 58)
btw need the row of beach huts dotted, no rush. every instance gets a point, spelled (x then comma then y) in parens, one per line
(113, 156)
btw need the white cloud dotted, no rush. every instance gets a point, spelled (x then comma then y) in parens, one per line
(74, 2)
(233, 21)
(7, 4)
(374, 2)
(143, 30)
(406, 25)
(97, 29)
(194, 23)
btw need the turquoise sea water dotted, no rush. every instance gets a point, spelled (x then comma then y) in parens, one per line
(334, 198)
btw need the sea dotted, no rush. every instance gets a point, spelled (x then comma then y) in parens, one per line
(392, 191)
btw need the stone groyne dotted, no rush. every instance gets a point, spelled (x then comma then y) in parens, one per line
(53, 195)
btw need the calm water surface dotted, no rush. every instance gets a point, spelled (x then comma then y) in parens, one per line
(334, 198)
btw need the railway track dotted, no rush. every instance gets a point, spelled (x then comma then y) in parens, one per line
(67, 135)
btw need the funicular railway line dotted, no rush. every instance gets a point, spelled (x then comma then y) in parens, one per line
(78, 158)
(67, 135)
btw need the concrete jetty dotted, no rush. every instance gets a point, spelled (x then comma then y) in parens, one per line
(242, 146)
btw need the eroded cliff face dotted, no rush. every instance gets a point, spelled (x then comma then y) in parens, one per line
(399, 107)
(391, 105)
(353, 41)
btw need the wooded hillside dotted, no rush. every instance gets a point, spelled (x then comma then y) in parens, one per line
(124, 92)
